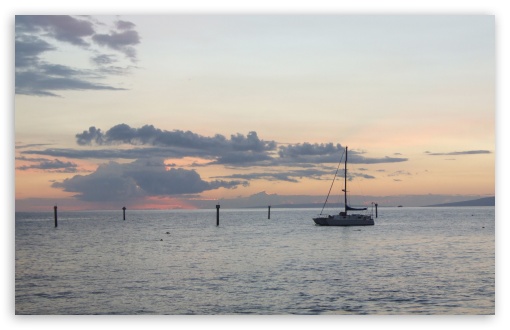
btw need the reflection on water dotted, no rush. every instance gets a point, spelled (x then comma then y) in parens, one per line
(414, 260)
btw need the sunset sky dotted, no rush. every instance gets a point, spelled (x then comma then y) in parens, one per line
(161, 111)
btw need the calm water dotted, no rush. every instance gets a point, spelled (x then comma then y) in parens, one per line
(413, 261)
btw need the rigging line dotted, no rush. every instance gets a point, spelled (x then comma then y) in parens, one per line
(329, 192)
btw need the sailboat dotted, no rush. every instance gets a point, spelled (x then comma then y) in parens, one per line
(344, 218)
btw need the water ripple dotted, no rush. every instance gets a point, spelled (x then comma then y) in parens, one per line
(411, 262)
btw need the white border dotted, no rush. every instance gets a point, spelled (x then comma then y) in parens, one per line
(11, 8)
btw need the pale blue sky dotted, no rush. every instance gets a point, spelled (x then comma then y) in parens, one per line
(397, 89)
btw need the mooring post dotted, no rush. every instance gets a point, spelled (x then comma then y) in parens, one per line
(269, 212)
(376, 210)
(55, 213)
(217, 214)
(124, 213)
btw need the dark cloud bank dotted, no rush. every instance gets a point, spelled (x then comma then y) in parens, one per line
(148, 175)
(148, 147)
(36, 35)
(458, 153)
(237, 150)
(124, 182)
(49, 165)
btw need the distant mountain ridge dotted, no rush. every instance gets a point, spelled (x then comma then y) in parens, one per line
(486, 201)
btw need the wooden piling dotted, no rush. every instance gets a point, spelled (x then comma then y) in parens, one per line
(217, 214)
(55, 214)
(376, 210)
(269, 212)
(124, 213)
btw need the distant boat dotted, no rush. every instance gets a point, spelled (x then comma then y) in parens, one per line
(343, 218)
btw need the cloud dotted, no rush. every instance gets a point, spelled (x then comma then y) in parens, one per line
(121, 182)
(31, 145)
(286, 175)
(28, 49)
(107, 183)
(44, 82)
(288, 163)
(36, 35)
(458, 153)
(242, 158)
(124, 25)
(92, 135)
(366, 160)
(55, 165)
(308, 149)
(134, 153)
(352, 175)
(327, 153)
(237, 151)
(149, 135)
(121, 41)
(398, 174)
(294, 175)
(251, 143)
(63, 28)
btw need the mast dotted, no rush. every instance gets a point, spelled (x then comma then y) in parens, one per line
(345, 182)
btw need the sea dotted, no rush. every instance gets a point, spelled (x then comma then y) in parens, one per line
(414, 260)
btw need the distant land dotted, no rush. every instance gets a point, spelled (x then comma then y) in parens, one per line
(486, 201)
(263, 199)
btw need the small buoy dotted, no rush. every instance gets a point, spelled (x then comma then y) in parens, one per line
(161, 240)
(167, 232)
(483, 227)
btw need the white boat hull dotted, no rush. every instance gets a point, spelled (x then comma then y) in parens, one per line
(345, 220)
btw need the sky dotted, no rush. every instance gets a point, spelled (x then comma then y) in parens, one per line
(184, 110)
